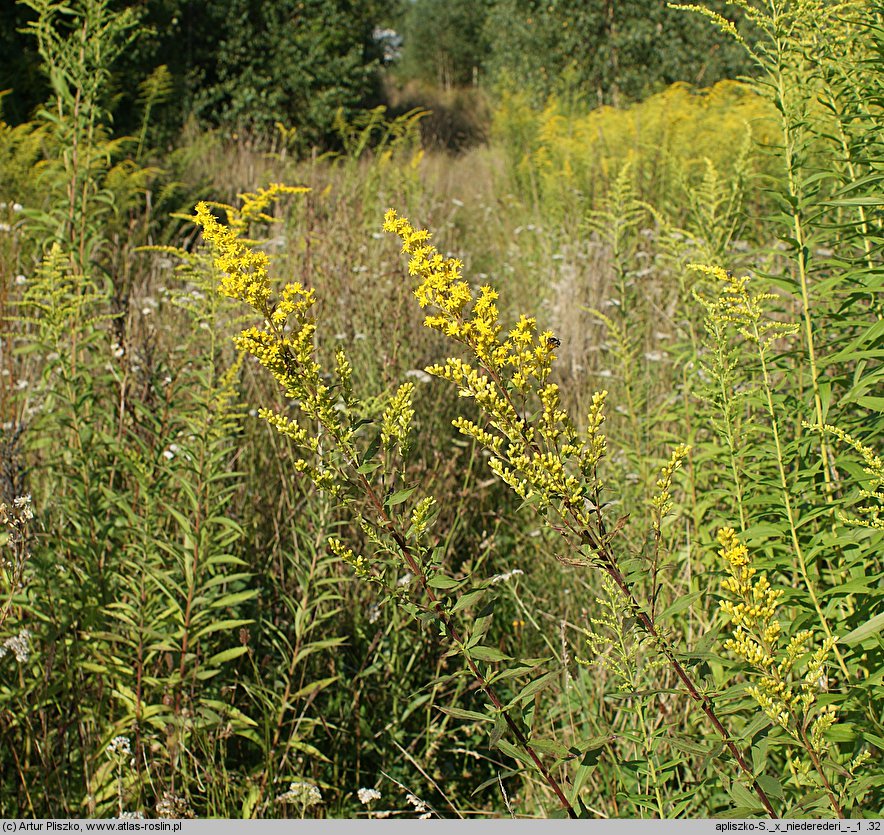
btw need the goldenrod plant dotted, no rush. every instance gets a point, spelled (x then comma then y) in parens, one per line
(333, 457)
(191, 627)
(533, 446)
(791, 678)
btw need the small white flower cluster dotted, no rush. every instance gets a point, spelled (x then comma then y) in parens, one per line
(23, 505)
(131, 816)
(502, 578)
(419, 806)
(19, 645)
(366, 796)
(173, 807)
(120, 746)
(304, 794)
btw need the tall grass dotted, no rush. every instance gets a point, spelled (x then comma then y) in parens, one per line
(536, 613)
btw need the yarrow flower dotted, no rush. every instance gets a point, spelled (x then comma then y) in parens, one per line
(304, 794)
(173, 807)
(367, 796)
(23, 504)
(419, 805)
(119, 747)
(19, 645)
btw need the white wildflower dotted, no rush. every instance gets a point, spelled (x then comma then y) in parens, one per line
(173, 807)
(304, 794)
(419, 805)
(418, 374)
(507, 575)
(19, 645)
(366, 796)
(23, 504)
(119, 746)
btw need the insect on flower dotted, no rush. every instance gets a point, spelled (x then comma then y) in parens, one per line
(553, 342)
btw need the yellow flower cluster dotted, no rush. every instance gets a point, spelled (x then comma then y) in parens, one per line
(284, 343)
(243, 270)
(397, 418)
(754, 616)
(661, 504)
(422, 517)
(541, 458)
(359, 563)
(783, 696)
(595, 447)
(441, 287)
(738, 306)
(873, 511)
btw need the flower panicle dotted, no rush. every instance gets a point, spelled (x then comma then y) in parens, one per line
(471, 318)
(785, 694)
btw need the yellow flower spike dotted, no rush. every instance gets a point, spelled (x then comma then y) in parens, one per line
(396, 420)
(785, 696)
(244, 271)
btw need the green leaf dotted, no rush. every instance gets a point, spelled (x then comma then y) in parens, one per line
(468, 599)
(681, 604)
(771, 786)
(468, 715)
(744, 797)
(533, 687)
(516, 753)
(867, 630)
(398, 497)
(488, 654)
(227, 655)
(440, 581)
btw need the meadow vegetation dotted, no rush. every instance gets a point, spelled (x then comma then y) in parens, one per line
(539, 479)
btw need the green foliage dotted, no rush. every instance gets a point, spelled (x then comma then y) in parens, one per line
(603, 52)
(290, 62)
(444, 41)
(663, 601)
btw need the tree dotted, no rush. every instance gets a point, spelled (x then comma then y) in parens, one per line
(444, 41)
(606, 50)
